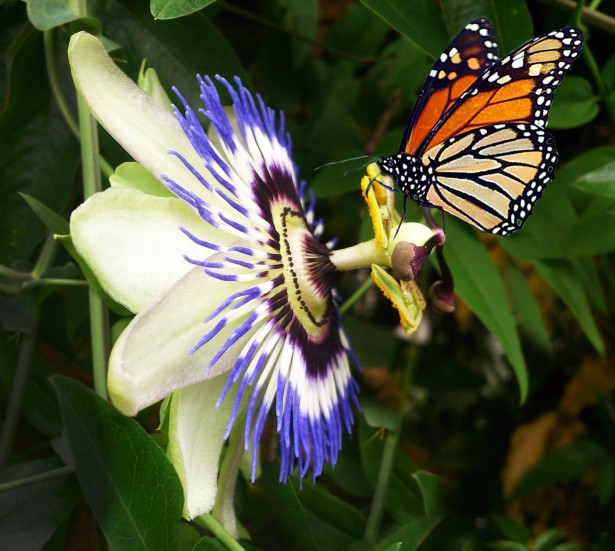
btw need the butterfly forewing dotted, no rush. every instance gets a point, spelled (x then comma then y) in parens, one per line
(485, 156)
(472, 51)
(491, 177)
(519, 88)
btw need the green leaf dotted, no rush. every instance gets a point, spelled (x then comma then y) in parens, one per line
(478, 284)
(331, 509)
(170, 9)
(357, 31)
(600, 181)
(511, 529)
(288, 527)
(403, 502)
(561, 466)
(431, 487)
(419, 21)
(47, 14)
(60, 227)
(413, 534)
(561, 276)
(41, 156)
(377, 415)
(30, 514)
(39, 406)
(178, 49)
(526, 309)
(507, 546)
(574, 104)
(546, 540)
(127, 480)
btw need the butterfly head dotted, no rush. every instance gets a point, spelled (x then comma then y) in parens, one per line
(408, 173)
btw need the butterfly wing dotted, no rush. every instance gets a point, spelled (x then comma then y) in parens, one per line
(472, 51)
(491, 177)
(517, 89)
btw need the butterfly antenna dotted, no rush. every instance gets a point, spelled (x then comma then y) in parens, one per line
(348, 171)
(403, 215)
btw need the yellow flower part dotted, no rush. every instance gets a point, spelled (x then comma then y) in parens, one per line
(405, 296)
(377, 192)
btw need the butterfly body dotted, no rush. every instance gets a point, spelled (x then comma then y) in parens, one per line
(475, 144)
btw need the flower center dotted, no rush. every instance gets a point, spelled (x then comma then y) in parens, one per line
(307, 268)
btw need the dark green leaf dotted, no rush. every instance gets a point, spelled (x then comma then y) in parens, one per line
(526, 309)
(331, 509)
(357, 31)
(288, 527)
(29, 515)
(377, 415)
(574, 104)
(546, 540)
(41, 156)
(170, 9)
(413, 534)
(419, 21)
(600, 181)
(561, 466)
(561, 276)
(511, 529)
(431, 487)
(402, 502)
(127, 480)
(179, 48)
(478, 284)
(47, 14)
(39, 406)
(348, 475)
(60, 227)
(507, 546)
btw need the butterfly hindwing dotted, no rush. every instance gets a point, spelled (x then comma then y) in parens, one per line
(491, 177)
(518, 88)
(472, 51)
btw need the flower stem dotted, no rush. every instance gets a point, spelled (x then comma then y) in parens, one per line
(11, 417)
(362, 255)
(388, 456)
(99, 317)
(26, 347)
(356, 295)
(56, 90)
(209, 522)
(41, 477)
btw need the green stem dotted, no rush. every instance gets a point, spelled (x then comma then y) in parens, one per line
(209, 522)
(55, 281)
(16, 275)
(388, 456)
(49, 475)
(597, 78)
(99, 317)
(11, 418)
(349, 303)
(26, 347)
(56, 90)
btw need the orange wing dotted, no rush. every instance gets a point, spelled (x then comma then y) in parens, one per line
(517, 89)
(470, 53)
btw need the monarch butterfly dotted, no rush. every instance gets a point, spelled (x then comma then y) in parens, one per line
(475, 144)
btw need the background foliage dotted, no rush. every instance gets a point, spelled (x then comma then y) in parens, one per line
(471, 466)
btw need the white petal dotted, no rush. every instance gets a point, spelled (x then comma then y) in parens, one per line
(196, 437)
(151, 358)
(135, 120)
(133, 243)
